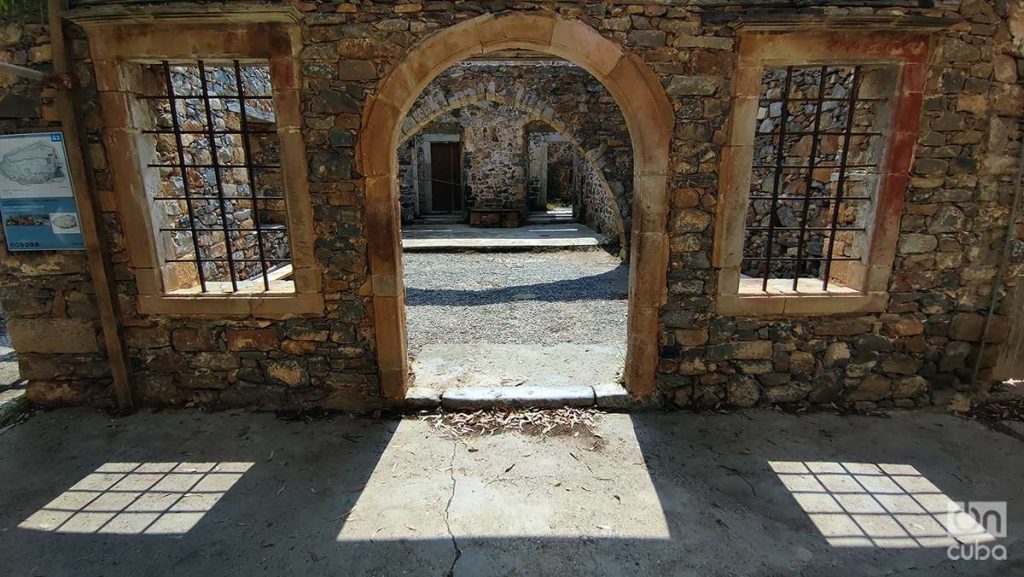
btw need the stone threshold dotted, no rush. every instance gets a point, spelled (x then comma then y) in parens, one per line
(605, 396)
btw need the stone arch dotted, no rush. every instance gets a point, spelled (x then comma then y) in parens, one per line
(649, 117)
(536, 109)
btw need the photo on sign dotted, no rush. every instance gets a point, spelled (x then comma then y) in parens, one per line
(65, 223)
(28, 220)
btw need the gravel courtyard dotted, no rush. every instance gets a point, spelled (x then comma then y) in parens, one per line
(542, 298)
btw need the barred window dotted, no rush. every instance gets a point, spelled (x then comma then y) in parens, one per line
(215, 183)
(820, 141)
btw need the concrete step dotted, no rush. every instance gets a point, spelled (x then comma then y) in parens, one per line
(440, 219)
(549, 220)
(604, 396)
(525, 396)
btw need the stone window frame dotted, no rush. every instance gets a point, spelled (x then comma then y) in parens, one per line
(758, 49)
(117, 41)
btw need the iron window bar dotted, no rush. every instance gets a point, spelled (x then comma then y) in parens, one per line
(842, 177)
(815, 143)
(780, 157)
(252, 181)
(215, 159)
(793, 259)
(167, 165)
(202, 97)
(229, 229)
(233, 239)
(809, 228)
(829, 99)
(813, 133)
(217, 132)
(782, 160)
(804, 166)
(184, 181)
(192, 260)
(227, 196)
(828, 197)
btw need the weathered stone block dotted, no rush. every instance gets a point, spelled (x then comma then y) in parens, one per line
(193, 340)
(873, 387)
(146, 337)
(836, 353)
(215, 361)
(743, 391)
(917, 243)
(742, 350)
(45, 335)
(910, 387)
(287, 372)
(202, 379)
(252, 339)
(693, 86)
(787, 393)
(841, 327)
(969, 326)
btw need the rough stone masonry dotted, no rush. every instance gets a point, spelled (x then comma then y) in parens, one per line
(918, 351)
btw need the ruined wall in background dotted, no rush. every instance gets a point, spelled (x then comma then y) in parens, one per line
(563, 96)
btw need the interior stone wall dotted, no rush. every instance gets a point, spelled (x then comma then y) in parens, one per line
(554, 93)
(916, 353)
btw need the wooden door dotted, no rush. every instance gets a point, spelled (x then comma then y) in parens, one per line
(445, 177)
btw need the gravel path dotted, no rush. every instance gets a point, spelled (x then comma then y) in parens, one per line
(515, 298)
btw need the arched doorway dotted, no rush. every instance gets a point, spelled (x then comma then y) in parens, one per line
(649, 117)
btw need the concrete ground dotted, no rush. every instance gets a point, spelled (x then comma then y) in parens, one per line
(446, 366)
(237, 494)
(509, 319)
(12, 393)
(8, 362)
(464, 237)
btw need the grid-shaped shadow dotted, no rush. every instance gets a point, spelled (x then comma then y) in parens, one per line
(877, 505)
(138, 498)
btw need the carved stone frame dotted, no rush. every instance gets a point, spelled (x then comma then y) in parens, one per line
(758, 49)
(649, 117)
(268, 34)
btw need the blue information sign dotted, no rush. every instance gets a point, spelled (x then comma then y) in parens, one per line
(37, 201)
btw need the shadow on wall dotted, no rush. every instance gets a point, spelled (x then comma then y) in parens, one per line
(609, 285)
(658, 495)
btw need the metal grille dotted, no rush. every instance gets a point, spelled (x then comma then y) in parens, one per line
(817, 145)
(220, 200)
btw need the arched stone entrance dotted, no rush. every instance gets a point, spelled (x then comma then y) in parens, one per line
(649, 117)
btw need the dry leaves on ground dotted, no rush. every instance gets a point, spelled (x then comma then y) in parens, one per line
(543, 422)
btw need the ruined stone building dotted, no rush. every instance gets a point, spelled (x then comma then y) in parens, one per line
(818, 205)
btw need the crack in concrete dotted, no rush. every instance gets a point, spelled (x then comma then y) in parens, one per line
(447, 512)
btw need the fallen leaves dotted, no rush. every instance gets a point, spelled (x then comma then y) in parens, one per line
(543, 422)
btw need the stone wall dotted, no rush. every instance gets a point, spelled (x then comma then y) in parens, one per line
(563, 97)
(916, 353)
(48, 297)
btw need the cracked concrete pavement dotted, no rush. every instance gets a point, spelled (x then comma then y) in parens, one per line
(647, 494)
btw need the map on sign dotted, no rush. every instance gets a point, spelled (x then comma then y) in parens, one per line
(37, 201)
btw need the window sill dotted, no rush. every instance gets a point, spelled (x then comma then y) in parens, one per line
(270, 305)
(841, 300)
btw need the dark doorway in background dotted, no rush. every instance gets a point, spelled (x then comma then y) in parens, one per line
(446, 177)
